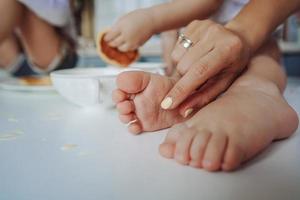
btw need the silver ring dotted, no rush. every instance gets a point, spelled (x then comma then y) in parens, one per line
(186, 43)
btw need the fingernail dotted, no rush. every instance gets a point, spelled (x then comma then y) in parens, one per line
(207, 163)
(188, 112)
(181, 159)
(132, 122)
(194, 164)
(166, 103)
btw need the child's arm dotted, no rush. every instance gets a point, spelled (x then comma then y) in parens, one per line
(135, 28)
(179, 13)
(259, 19)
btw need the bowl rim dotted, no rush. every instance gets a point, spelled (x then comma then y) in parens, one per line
(69, 73)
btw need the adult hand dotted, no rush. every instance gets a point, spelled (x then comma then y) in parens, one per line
(168, 42)
(131, 31)
(216, 57)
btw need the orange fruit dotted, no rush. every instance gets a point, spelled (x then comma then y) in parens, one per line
(35, 80)
(112, 55)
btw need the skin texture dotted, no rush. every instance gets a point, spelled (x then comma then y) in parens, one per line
(31, 32)
(238, 131)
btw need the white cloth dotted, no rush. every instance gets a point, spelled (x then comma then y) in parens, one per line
(56, 12)
(229, 10)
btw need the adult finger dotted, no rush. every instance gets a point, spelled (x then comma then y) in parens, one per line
(194, 31)
(198, 74)
(198, 51)
(201, 98)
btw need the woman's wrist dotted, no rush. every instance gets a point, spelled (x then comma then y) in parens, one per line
(239, 30)
(253, 36)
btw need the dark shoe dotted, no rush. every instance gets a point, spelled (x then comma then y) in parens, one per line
(26, 69)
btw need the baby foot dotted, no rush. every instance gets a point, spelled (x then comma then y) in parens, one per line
(138, 99)
(232, 129)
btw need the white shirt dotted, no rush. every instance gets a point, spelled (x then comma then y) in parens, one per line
(229, 10)
(56, 12)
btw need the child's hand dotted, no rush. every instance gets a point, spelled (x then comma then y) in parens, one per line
(131, 31)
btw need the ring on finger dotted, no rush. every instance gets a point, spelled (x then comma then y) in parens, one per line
(186, 43)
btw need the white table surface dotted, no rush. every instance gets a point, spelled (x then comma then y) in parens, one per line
(110, 163)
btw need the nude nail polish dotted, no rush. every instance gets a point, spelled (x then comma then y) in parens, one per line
(166, 103)
(188, 112)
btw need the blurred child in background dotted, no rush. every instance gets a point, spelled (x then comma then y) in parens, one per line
(36, 37)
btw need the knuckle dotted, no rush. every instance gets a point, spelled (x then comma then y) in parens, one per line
(214, 28)
(178, 90)
(175, 56)
(236, 44)
(181, 68)
(199, 70)
(195, 23)
(231, 50)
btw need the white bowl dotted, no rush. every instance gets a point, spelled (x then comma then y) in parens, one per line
(93, 86)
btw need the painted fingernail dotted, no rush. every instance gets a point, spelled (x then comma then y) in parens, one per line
(166, 103)
(188, 112)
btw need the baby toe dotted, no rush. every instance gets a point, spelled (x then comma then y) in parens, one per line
(135, 127)
(182, 150)
(133, 82)
(125, 107)
(167, 150)
(234, 156)
(127, 118)
(198, 148)
(119, 96)
(174, 133)
(214, 152)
